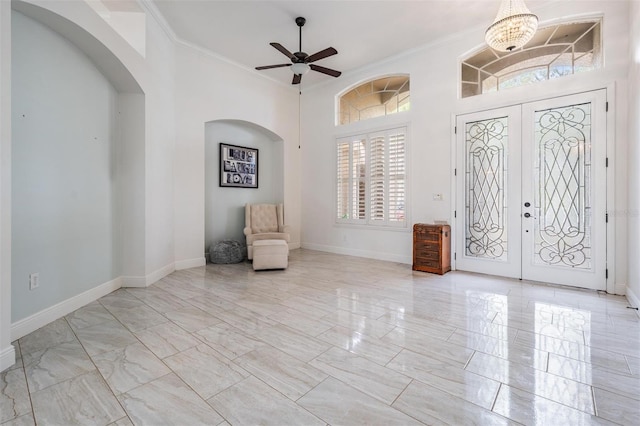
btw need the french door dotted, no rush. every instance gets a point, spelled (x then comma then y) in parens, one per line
(531, 191)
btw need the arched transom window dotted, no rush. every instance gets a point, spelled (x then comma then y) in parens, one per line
(555, 51)
(375, 98)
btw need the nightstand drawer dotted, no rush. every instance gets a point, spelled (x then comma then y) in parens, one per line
(429, 263)
(427, 236)
(431, 252)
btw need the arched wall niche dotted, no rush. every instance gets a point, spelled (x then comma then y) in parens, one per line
(120, 129)
(224, 206)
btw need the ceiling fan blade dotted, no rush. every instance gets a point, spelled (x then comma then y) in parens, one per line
(297, 78)
(266, 67)
(324, 70)
(283, 50)
(329, 51)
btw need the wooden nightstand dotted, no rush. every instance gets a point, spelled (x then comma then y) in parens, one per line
(431, 248)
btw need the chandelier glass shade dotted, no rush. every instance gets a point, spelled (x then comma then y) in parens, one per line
(513, 27)
(300, 68)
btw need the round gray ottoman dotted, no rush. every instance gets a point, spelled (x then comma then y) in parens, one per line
(227, 252)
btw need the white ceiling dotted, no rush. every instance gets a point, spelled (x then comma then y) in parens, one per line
(363, 32)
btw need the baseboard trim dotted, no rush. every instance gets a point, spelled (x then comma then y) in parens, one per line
(7, 357)
(293, 246)
(40, 319)
(620, 289)
(134, 282)
(633, 299)
(146, 281)
(190, 263)
(389, 257)
(159, 274)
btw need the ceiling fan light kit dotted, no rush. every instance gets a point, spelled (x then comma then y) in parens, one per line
(513, 27)
(301, 62)
(300, 68)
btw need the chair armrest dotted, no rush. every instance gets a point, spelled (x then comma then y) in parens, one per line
(247, 231)
(284, 229)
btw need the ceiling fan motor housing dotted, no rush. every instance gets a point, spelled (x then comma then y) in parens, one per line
(299, 57)
(300, 60)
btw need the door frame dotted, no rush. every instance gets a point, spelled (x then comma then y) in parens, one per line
(475, 104)
(511, 265)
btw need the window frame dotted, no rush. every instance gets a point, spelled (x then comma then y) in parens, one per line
(366, 135)
(338, 99)
(596, 23)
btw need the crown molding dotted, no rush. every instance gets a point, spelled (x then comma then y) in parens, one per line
(150, 7)
(217, 56)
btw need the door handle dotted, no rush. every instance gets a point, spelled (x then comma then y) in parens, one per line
(527, 204)
(527, 215)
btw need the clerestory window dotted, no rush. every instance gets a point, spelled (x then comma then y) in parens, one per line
(555, 51)
(375, 98)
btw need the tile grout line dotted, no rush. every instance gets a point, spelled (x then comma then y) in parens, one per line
(96, 368)
(548, 362)
(469, 360)
(289, 399)
(395, 356)
(593, 397)
(162, 360)
(626, 359)
(26, 381)
(495, 398)
(401, 392)
(399, 410)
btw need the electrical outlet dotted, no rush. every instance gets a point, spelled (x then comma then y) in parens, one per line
(34, 281)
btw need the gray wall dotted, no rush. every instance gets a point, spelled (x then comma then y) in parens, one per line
(64, 192)
(224, 206)
(131, 182)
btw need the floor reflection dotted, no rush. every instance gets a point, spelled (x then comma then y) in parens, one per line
(332, 340)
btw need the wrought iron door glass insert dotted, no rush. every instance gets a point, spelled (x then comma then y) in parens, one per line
(562, 177)
(485, 195)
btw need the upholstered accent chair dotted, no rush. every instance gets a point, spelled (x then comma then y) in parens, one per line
(264, 222)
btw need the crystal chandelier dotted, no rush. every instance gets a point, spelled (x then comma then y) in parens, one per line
(513, 27)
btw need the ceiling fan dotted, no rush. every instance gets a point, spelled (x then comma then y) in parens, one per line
(301, 62)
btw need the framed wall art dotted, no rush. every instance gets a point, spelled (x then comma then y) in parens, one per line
(238, 166)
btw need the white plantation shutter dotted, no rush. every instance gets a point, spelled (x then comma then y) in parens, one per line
(371, 178)
(377, 177)
(343, 181)
(397, 176)
(358, 184)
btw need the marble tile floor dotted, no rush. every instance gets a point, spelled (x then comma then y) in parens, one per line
(332, 340)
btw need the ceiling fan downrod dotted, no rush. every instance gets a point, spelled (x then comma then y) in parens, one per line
(300, 21)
